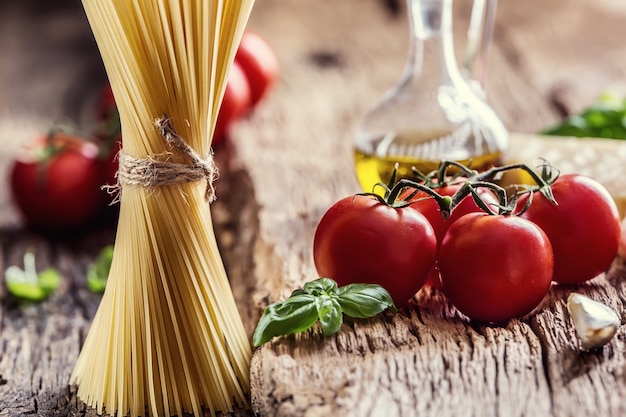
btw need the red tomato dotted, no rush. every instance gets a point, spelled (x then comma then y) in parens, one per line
(105, 106)
(427, 206)
(234, 104)
(361, 240)
(109, 163)
(584, 228)
(60, 190)
(259, 62)
(495, 268)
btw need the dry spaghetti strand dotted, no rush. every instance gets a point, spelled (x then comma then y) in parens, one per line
(167, 337)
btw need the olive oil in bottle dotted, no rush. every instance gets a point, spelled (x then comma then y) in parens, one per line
(372, 169)
(432, 114)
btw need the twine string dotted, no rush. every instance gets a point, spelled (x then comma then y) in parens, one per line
(150, 172)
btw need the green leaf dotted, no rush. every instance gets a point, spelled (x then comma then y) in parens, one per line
(606, 118)
(98, 271)
(320, 286)
(321, 300)
(364, 300)
(29, 285)
(296, 314)
(49, 280)
(330, 314)
(27, 291)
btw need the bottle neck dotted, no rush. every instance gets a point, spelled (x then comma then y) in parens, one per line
(431, 52)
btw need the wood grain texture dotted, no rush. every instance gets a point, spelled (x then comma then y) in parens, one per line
(287, 163)
(430, 361)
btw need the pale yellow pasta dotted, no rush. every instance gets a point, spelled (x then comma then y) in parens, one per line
(167, 338)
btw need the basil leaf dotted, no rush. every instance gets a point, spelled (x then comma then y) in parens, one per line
(320, 286)
(49, 280)
(98, 271)
(606, 118)
(330, 314)
(294, 315)
(26, 291)
(299, 291)
(364, 300)
(29, 285)
(321, 300)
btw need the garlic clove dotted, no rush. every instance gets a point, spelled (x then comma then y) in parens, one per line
(595, 323)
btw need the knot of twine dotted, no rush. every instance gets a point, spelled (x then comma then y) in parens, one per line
(150, 172)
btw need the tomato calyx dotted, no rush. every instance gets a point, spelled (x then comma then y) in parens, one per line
(56, 141)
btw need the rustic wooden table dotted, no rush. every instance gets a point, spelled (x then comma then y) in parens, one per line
(286, 164)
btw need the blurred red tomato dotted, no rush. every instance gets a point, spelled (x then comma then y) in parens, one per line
(105, 105)
(57, 185)
(234, 104)
(109, 162)
(259, 62)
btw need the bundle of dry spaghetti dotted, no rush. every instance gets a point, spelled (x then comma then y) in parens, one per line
(167, 337)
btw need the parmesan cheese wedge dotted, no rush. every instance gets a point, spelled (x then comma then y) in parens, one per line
(604, 160)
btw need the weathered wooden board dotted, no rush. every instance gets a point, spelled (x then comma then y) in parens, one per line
(433, 361)
(287, 162)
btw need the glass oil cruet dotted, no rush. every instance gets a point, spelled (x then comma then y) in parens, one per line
(433, 112)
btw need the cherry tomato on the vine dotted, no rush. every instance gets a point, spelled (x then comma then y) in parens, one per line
(495, 268)
(429, 207)
(431, 210)
(361, 240)
(584, 227)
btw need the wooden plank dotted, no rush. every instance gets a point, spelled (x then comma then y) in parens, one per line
(287, 163)
(431, 360)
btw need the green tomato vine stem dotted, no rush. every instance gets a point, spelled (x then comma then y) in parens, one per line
(472, 180)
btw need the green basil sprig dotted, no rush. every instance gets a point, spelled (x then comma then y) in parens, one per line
(98, 271)
(321, 300)
(29, 284)
(606, 118)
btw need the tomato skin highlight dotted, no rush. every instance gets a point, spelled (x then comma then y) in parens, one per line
(495, 268)
(360, 240)
(584, 227)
